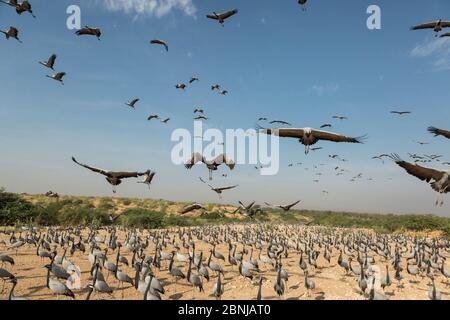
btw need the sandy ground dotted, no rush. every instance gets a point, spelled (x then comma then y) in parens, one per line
(331, 282)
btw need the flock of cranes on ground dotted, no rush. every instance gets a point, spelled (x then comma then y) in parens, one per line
(167, 262)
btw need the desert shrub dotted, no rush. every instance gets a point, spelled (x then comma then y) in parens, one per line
(381, 223)
(89, 205)
(14, 209)
(49, 215)
(213, 216)
(142, 218)
(172, 221)
(126, 202)
(77, 202)
(262, 217)
(106, 204)
(84, 215)
(289, 218)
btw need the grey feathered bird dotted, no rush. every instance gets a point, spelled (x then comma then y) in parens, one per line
(57, 271)
(309, 284)
(132, 103)
(401, 113)
(221, 17)
(114, 178)
(177, 273)
(6, 259)
(25, 6)
(193, 79)
(434, 293)
(439, 132)
(219, 190)
(285, 208)
(152, 116)
(194, 279)
(309, 137)
(218, 288)
(191, 207)
(181, 86)
(161, 43)
(441, 179)
(58, 77)
(50, 62)
(148, 178)
(212, 165)
(280, 122)
(374, 295)
(57, 287)
(437, 26)
(12, 32)
(88, 31)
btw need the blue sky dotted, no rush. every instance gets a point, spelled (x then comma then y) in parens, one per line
(275, 60)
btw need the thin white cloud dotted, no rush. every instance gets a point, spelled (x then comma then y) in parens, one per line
(442, 64)
(321, 90)
(157, 8)
(437, 49)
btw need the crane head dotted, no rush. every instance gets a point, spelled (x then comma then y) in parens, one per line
(307, 131)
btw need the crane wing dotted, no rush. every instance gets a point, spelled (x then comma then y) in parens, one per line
(228, 14)
(293, 205)
(227, 188)
(163, 43)
(84, 31)
(206, 183)
(329, 136)
(51, 60)
(439, 132)
(250, 205)
(422, 173)
(285, 133)
(125, 174)
(428, 25)
(212, 16)
(94, 169)
(196, 157)
(224, 159)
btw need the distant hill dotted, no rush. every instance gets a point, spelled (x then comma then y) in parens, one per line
(73, 210)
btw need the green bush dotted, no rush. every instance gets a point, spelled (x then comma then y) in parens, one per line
(142, 218)
(84, 215)
(48, 216)
(106, 204)
(126, 202)
(14, 209)
(178, 221)
(213, 216)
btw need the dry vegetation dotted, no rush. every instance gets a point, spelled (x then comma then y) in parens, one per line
(68, 210)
